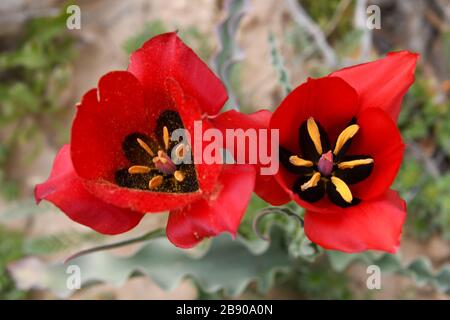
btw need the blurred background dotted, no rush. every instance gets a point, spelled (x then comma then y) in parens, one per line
(270, 45)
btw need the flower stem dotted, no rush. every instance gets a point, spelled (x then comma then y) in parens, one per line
(273, 210)
(158, 233)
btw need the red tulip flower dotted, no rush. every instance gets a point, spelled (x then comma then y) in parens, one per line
(340, 150)
(117, 166)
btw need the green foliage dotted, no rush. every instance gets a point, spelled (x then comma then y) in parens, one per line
(246, 262)
(229, 51)
(10, 250)
(323, 12)
(424, 179)
(319, 281)
(277, 62)
(32, 76)
(420, 269)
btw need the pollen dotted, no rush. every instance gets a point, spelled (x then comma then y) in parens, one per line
(311, 182)
(342, 189)
(138, 169)
(314, 133)
(155, 182)
(179, 175)
(299, 162)
(353, 163)
(345, 135)
(145, 147)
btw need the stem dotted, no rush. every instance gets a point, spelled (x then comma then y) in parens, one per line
(147, 236)
(272, 210)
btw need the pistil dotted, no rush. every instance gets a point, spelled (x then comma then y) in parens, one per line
(325, 164)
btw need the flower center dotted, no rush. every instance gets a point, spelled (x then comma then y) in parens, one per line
(325, 164)
(328, 172)
(151, 167)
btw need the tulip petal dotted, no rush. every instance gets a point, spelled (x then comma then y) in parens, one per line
(380, 138)
(219, 212)
(65, 190)
(330, 101)
(371, 225)
(266, 187)
(166, 56)
(382, 83)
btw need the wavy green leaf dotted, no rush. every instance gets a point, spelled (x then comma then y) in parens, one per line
(228, 266)
(420, 269)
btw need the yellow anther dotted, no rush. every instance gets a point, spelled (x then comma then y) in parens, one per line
(179, 176)
(354, 163)
(342, 189)
(314, 133)
(345, 135)
(138, 169)
(155, 182)
(145, 147)
(311, 182)
(299, 162)
(166, 137)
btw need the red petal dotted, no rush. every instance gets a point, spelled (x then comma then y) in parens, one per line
(266, 186)
(106, 116)
(371, 225)
(330, 101)
(268, 189)
(379, 138)
(65, 190)
(220, 212)
(384, 82)
(166, 56)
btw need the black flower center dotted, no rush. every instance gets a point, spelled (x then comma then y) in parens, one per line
(322, 169)
(158, 163)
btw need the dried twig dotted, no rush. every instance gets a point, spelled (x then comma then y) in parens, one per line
(300, 17)
(337, 16)
(428, 162)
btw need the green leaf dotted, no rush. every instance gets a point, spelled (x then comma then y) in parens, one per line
(227, 266)
(229, 52)
(420, 269)
(277, 62)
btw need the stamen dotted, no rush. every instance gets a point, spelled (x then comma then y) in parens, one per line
(345, 135)
(138, 169)
(299, 162)
(311, 182)
(354, 163)
(155, 182)
(166, 137)
(145, 147)
(314, 133)
(179, 176)
(342, 189)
